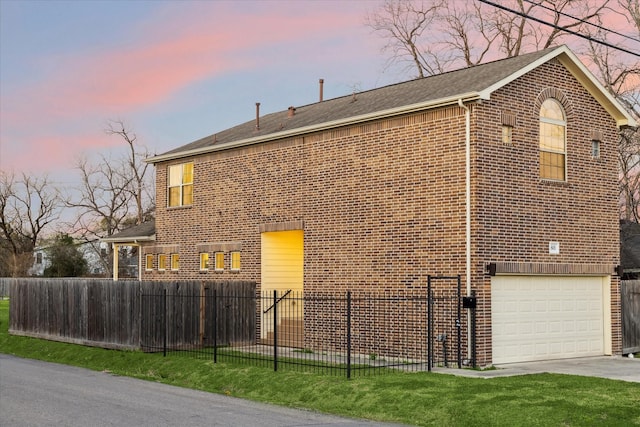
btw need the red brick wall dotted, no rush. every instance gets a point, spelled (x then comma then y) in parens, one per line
(383, 203)
(376, 209)
(517, 214)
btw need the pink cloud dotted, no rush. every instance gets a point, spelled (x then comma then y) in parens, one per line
(156, 67)
(39, 151)
(172, 50)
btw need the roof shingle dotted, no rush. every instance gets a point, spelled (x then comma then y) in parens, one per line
(432, 88)
(144, 231)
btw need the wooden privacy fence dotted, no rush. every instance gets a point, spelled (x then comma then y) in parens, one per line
(630, 296)
(191, 315)
(104, 313)
(83, 311)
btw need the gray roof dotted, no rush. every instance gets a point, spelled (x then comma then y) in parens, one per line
(470, 83)
(141, 232)
(467, 80)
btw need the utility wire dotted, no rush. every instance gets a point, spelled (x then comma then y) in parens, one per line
(600, 27)
(575, 33)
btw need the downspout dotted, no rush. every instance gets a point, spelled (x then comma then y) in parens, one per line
(467, 155)
(467, 137)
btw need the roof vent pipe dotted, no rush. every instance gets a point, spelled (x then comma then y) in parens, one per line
(321, 89)
(257, 116)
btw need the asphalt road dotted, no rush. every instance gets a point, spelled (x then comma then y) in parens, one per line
(34, 393)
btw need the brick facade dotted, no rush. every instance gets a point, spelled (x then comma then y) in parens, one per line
(516, 214)
(382, 203)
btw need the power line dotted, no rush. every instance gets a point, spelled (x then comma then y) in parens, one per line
(600, 27)
(575, 33)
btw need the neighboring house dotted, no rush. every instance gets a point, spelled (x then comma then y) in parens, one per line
(41, 259)
(95, 266)
(132, 237)
(504, 173)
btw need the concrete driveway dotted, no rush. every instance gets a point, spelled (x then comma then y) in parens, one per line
(612, 367)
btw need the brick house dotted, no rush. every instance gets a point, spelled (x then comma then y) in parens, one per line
(504, 173)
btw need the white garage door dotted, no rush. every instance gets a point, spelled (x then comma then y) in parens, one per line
(547, 317)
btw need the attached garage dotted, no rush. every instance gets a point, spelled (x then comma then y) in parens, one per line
(549, 317)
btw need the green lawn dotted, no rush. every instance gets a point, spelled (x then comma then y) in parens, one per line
(413, 398)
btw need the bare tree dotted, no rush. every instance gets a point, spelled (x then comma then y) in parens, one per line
(140, 188)
(629, 160)
(620, 75)
(402, 25)
(114, 193)
(434, 36)
(28, 205)
(631, 10)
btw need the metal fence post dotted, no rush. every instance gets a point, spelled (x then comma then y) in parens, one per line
(141, 324)
(164, 316)
(275, 330)
(429, 324)
(215, 326)
(473, 333)
(348, 334)
(458, 323)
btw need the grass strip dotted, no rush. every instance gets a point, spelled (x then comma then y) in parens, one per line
(422, 399)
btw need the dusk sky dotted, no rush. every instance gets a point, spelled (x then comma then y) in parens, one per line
(174, 71)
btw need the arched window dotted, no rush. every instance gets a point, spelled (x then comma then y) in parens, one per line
(553, 146)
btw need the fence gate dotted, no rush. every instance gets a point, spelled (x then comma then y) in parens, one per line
(630, 296)
(444, 326)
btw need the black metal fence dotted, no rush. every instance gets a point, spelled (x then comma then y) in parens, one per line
(353, 333)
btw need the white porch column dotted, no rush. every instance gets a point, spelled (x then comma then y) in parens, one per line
(140, 260)
(116, 249)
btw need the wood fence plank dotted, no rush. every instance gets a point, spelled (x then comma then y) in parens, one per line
(131, 314)
(630, 297)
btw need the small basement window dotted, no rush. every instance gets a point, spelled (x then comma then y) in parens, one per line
(204, 261)
(175, 262)
(235, 261)
(162, 262)
(219, 260)
(148, 262)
